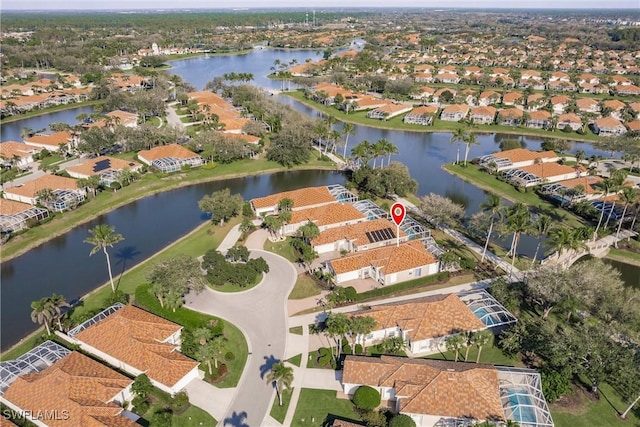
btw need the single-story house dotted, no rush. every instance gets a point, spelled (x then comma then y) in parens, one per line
(542, 173)
(57, 387)
(483, 115)
(302, 199)
(325, 217)
(569, 120)
(358, 236)
(540, 119)
(536, 101)
(454, 113)
(609, 126)
(123, 118)
(588, 105)
(517, 157)
(388, 111)
(559, 103)
(137, 342)
(488, 97)
(170, 158)
(387, 264)
(51, 142)
(575, 190)
(17, 153)
(107, 168)
(421, 115)
(66, 193)
(16, 216)
(512, 98)
(443, 393)
(510, 117)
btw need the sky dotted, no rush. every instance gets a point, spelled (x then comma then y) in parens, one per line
(211, 4)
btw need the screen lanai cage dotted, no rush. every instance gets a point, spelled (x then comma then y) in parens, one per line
(35, 360)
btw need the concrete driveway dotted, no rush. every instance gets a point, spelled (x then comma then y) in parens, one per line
(261, 315)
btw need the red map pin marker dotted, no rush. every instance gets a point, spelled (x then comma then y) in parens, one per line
(398, 212)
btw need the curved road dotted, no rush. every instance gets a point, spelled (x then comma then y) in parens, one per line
(261, 314)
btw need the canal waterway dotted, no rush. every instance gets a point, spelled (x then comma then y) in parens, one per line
(63, 265)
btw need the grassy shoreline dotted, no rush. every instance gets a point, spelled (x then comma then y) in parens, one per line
(49, 110)
(623, 256)
(440, 126)
(61, 224)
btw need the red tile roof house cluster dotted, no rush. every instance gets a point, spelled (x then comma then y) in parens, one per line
(425, 323)
(53, 386)
(107, 168)
(136, 341)
(441, 393)
(170, 158)
(303, 198)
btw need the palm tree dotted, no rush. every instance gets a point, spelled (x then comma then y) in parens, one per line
(607, 187)
(455, 343)
(363, 152)
(42, 313)
(102, 237)
(580, 156)
(206, 354)
(282, 376)
(480, 339)
(560, 239)
(518, 222)
(56, 303)
(387, 148)
(347, 129)
(629, 196)
(542, 225)
(469, 140)
(493, 206)
(377, 149)
(456, 136)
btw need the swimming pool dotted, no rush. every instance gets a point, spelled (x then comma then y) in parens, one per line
(489, 319)
(523, 410)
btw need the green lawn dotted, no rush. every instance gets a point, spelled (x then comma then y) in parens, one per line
(296, 330)
(282, 248)
(587, 413)
(278, 412)
(194, 417)
(321, 407)
(52, 159)
(484, 180)
(624, 256)
(305, 287)
(490, 354)
(149, 184)
(295, 360)
(192, 319)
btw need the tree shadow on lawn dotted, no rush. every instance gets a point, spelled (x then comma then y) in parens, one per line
(127, 253)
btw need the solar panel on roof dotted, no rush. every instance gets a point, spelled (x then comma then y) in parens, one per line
(383, 234)
(102, 165)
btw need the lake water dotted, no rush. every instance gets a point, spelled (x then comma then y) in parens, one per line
(63, 265)
(11, 131)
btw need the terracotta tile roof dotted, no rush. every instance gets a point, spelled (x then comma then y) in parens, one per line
(124, 116)
(635, 106)
(540, 115)
(489, 94)
(52, 140)
(9, 149)
(586, 103)
(11, 207)
(392, 259)
(614, 104)
(333, 213)
(425, 109)
(393, 108)
(511, 97)
(52, 182)
(76, 384)
(432, 387)
(4, 422)
(547, 170)
(355, 232)
(137, 337)
(484, 111)
(171, 150)
(511, 112)
(607, 122)
(559, 99)
(456, 108)
(103, 163)
(634, 125)
(587, 182)
(569, 118)
(522, 155)
(249, 139)
(303, 197)
(424, 318)
(439, 92)
(535, 97)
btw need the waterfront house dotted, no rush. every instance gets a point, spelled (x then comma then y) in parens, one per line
(574, 190)
(483, 115)
(65, 193)
(543, 173)
(16, 216)
(422, 115)
(510, 117)
(56, 387)
(325, 217)
(389, 111)
(107, 168)
(16, 153)
(358, 236)
(426, 323)
(540, 119)
(608, 126)
(302, 198)
(516, 158)
(136, 341)
(387, 265)
(170, 158)
(570, 120)
(454, 113)
(51, 142)
(443, 393)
